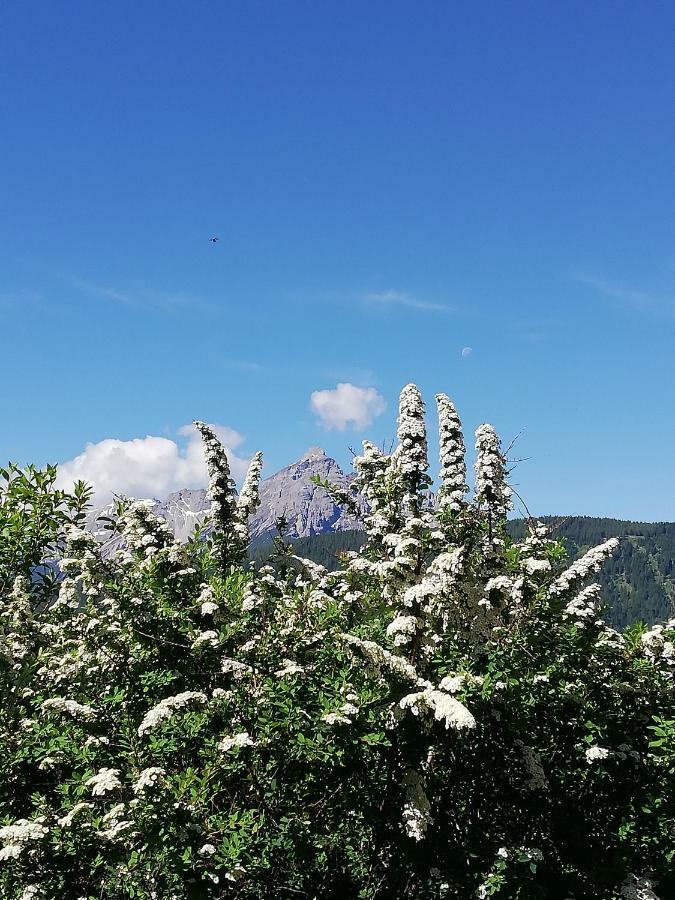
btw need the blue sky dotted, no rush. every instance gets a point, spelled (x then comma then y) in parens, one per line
(391, 182)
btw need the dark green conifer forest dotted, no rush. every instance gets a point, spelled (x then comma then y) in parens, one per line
(638, 582)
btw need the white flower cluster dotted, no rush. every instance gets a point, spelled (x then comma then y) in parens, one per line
(589, 564)
(205, 639)
(656, 644)
(374, 480)
(230, 514)
(207, 850)
(249, 498)
(595, 753)
(206, 601)
(534, 566)
(453, 684)
(451, 449)
(103, 782)
(77, 810)
(492, 490)
(445, 708)
(148, 779)
(18, 836)
(167, 707)
(71, 708)
(411, 454)
(342, 716)
(583, 607)
(237, 670)
(116, 825)
(223, 495)
(33, 892)
(143, 531)
(416, 807)
(402, 629)
(380, 659)
(290, 667)
(243, 739)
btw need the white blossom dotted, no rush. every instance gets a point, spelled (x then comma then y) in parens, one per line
(533, 566)
(206, 601)
(33, 892)
(290, 667)
(103, 782)
(446, 709)
(249, 498)
(581, 569)
(402, 629)
(204, 639)
(334, 718)
(595, 753)
(416, 808)
(411, 432)
(71, 708)
(237, 669)
(230, 536)
(167, 707)
(18, 836)
(656, 645)
(452, 456)
(492, 490)
(79, 808)
(380, 659)
(583, 607)
(149, 778)
(243, 739)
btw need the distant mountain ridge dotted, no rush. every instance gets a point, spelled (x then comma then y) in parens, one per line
(638, 581)
(290, 493)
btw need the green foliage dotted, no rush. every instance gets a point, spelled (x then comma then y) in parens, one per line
(445, 715)
(32, 516)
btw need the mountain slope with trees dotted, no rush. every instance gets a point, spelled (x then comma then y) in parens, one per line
(638, 582)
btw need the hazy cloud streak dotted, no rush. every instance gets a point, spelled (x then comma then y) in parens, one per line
(386, 299)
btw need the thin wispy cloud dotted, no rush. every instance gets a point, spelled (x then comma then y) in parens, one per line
(389, 299)
(141, 298)
(21, 299)
(242, 365)
(644, 301)
(536, 330)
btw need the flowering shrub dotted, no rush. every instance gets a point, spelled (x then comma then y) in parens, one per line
(445, 716)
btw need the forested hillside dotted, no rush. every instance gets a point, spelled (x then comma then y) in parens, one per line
(638, 582)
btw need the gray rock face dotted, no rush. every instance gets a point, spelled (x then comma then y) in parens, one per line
(306, 507)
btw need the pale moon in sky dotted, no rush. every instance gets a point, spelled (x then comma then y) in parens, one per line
(467, 351)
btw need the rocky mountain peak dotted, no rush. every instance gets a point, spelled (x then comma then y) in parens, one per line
(289, 493)
(314, 453)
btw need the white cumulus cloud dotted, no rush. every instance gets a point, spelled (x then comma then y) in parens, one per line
(346, 405)
(149, 466)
